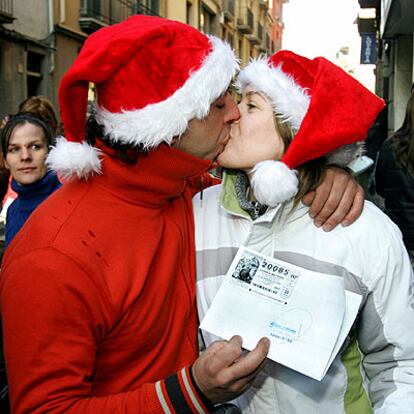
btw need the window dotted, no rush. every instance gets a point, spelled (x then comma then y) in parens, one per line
(91, 8)
(189, 17)
(149, 7)
(207, 21)
(34, 72)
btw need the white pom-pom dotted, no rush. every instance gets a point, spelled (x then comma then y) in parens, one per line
(273, 182)
(68, 159)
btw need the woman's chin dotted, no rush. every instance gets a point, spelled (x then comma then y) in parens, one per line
(225, 160)
(221, 160)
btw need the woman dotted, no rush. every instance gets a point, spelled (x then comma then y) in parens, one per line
(395, 177)
(41, 107)
(25, 142)
(291, 108)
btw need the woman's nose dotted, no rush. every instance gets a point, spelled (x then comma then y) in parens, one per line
(25, 154)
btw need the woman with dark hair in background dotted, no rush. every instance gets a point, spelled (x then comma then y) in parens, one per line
(395, 177)
(41, 107)
(25, 142)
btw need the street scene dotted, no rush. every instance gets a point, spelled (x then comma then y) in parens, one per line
(207, 206)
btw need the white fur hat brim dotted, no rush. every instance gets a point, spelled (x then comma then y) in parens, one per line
(161, 122)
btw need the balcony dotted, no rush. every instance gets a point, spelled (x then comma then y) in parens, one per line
(264, 4)
(253, 39)
(245, 22)
(228, 10)
(139, 8)
(6, 11)
(91, 16)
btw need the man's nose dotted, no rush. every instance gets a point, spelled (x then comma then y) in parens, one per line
(233, 113)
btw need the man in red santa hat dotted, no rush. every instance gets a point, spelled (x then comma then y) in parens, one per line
(98, 291)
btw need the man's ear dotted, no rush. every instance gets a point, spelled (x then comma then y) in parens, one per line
(174, 141)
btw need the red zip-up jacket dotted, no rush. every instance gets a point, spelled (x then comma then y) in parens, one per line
(97, 293)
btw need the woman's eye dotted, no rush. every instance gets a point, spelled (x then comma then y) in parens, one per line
(251, 106)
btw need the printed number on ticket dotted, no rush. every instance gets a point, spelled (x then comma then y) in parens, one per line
(265, 276)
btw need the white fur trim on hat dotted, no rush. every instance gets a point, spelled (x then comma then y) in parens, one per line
(73, 158)
(160, 122)
(288, 98)
(273, 182)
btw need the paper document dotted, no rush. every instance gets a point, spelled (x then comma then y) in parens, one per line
(361, 164)
(306, 315)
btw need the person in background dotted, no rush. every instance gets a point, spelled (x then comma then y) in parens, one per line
(25, 142)
(295, 113)
(395, 177)
(376, 136)
(41, 107)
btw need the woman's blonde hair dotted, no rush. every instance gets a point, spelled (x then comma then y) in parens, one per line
(311, 173)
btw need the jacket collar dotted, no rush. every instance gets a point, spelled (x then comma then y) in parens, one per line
(157, 176)
(281, 212)
(46, 185)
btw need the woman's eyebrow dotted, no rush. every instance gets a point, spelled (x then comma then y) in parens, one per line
(255, 93)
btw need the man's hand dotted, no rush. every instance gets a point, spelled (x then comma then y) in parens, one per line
(338, 199)
(223, 371)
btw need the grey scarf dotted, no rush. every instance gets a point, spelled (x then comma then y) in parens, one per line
(254, 208)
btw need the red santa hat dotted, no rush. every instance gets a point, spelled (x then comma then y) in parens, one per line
(152, 76)
(328, 110)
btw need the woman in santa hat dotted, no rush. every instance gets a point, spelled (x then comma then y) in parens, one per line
(297, 116)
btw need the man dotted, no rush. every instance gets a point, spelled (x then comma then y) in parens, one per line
(98, 292)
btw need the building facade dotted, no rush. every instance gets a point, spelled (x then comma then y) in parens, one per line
(394, 33)
(40, 42)
(40, 39)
